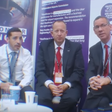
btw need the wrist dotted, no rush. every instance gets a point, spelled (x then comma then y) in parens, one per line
(108, 79)
(66, 86)
(50, 85)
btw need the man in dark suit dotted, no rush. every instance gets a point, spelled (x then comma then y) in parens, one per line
(68, 86)
(99, 73)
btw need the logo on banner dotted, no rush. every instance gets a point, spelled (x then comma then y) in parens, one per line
(107, 12)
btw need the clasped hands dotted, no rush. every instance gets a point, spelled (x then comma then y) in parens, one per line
(58, 90)
(98, 81)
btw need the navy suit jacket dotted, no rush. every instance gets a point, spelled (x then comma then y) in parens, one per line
(73, 64)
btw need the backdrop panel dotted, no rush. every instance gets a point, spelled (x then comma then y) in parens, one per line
(75, 13)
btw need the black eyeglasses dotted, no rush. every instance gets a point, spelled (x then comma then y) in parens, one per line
(102, 26)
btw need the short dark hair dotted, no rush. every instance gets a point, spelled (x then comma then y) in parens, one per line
(13, 29)
(59, 22)
(98, 17)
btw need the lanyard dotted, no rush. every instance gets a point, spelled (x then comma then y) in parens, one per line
(9, 62)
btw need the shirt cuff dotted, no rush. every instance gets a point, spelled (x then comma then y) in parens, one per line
(48, 82)
(68, 83)
(110, 79)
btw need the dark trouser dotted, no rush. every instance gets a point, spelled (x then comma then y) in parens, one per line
(68, 100)
(22, 92)
(95, 97)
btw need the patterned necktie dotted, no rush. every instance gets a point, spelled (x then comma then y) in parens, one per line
(12, 64)
(106, 71)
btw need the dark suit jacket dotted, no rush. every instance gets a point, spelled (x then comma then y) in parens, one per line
(73, 64)
(95, 67)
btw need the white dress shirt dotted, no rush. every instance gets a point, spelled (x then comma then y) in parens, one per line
(23, 67)
(61, 51)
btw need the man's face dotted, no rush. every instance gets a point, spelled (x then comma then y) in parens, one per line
(59, 32)
(102, 29)
(15, 40)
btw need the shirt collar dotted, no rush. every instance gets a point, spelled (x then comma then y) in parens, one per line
(62, 45)
(108, 43)
(10, 50)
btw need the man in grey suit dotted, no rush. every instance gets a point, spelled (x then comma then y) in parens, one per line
(72, 66)
(99, 73)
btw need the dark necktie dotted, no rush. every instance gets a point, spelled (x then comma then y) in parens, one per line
(12, 64)
(106, 71)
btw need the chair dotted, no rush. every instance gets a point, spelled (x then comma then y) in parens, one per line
(76, 108)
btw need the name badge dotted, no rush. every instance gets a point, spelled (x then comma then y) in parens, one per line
(58, 78)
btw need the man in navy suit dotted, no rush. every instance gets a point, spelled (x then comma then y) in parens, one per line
(99, 73)
(72, 66)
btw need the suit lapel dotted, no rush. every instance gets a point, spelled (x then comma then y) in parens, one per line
(111, 60)
(51, 53)
(66, 54)
(100, 55)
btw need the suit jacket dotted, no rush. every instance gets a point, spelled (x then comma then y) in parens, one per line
(73, 64)
(95, 67)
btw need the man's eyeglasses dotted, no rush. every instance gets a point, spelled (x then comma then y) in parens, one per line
(102, 26)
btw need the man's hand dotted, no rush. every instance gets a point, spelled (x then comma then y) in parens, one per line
(58, 90)
(54, 89)
(93, 84)
(63, 87)
(103, 80)
(5, 86)
(97, 82)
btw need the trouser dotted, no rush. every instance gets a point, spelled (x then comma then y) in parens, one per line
(68, 99)
(95, 96)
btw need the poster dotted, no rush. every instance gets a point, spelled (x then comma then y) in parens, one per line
(17, 13)
(75, 13)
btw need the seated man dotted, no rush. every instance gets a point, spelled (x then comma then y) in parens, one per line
(59, 70)
(15, 63)
(99, 73)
